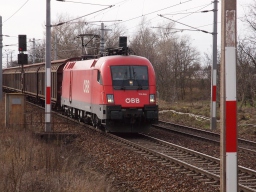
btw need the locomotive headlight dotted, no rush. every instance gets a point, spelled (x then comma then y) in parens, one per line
(152, 98)
(110, 98)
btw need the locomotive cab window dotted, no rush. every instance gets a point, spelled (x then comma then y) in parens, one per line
(129, 77)
(99, 78)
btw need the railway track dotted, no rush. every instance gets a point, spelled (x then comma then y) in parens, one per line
(245, 146)
(198, 165)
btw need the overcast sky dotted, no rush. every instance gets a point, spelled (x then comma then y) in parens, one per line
(28, 17)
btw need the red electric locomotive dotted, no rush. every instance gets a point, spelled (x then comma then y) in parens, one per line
(115, 92)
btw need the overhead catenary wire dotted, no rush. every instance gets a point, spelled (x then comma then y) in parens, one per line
(61, 23)
(201, 7)
(186, 25)
(177, 30)
(152, 13)
(194, 12)
(155, 11)
(195, 28)
(188, 12)
(16, 11)
(117, 5)
(191, 8)
(83, 3)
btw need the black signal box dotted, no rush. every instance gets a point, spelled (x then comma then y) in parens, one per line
(22, 43)
(22, 58)
(123, 41)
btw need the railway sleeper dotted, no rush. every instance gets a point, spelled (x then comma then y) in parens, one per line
(211, 182)
(251, 185)
(178, 156)
(214, 165)
(217, 185)
(169, 165)
(246, 176)
(192, 174)
(198, 176)
(247, 180)
(204, 180)
(176, 168)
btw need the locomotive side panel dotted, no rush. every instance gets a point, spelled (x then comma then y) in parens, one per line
(98, 98)
(76, 87)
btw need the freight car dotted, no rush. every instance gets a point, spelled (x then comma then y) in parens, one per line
(32, 81)
(114, 92)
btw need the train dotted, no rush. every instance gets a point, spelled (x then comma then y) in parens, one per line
(115, 92)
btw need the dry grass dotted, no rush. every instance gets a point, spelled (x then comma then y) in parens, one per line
(188, 108)
(28, 164)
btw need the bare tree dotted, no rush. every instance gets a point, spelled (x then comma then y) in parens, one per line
(112, 37)
(247, 60)
(66, 37)
(145, 41)
(246, 74)
(174, 59)
(187, 58)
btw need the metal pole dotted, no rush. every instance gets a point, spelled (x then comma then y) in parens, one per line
(102, 39)
(214, 67)
(34, 49)
(228, 176)
(55, 47)
(48, 68)
(7, 59)
(11, 57)
(1, 61)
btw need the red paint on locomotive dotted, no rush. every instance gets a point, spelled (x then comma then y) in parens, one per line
(86, 85)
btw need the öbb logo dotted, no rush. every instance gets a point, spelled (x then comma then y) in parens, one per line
(132, 100)
(86, 86)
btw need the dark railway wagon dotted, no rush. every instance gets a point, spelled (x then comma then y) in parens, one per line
(34, 80)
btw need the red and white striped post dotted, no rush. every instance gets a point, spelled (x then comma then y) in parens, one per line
(48, 69)
(229, 179)
(214, 96)
(231, 121)
(214, 68)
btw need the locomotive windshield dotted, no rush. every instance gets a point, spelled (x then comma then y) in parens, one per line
(129, 77)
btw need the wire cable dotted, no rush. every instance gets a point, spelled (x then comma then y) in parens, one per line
(194, 12)
(86, 3)
(117, 5)
(61, 23)
(196, 29)
(155, 11)
(185, 24)
(189, 9)
(16, 11)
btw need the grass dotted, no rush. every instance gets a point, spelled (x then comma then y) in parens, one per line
(29, 164)
(182, 113)
(246, 117)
